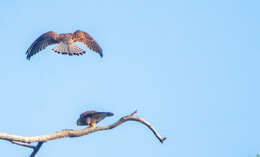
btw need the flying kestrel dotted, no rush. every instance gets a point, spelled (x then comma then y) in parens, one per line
(66, 43)
(91, 118)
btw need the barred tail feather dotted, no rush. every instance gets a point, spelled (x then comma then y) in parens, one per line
(70, 49)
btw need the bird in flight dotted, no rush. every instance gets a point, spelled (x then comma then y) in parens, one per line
(91, 118)
(66, 43)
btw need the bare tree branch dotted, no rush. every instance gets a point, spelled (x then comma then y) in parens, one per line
(36, 149)
(22, 140)
(23, 144)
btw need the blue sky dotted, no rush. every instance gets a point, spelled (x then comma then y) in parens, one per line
(189, 67)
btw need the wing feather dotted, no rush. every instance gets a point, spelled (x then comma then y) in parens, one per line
(41, 43)
(85, 38)
(101, 115)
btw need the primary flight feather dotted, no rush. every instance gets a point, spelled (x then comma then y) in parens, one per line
(66, 43)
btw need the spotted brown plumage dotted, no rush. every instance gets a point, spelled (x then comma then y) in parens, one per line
(91, 118)
(66, 43)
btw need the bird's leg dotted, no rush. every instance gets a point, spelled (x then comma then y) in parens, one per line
(90, 123)
(93, 124)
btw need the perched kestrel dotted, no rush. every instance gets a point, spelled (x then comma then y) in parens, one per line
(91, 118)
(66, 43)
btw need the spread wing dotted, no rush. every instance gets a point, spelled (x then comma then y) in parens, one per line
(41, 43)
(85, 38)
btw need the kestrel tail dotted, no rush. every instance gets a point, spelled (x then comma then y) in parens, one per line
(66, 43)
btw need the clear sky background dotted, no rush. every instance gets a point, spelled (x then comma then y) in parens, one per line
(190, 68)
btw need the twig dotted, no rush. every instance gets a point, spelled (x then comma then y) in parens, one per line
(36, 149)
(23, 144)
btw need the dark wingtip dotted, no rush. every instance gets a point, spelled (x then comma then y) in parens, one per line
(28, 57)
(110, 114)
(107, 114)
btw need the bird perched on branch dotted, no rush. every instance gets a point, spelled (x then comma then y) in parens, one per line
(91, 118)
(66, 43)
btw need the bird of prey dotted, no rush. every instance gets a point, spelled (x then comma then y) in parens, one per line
(66, 43)
(91, 118)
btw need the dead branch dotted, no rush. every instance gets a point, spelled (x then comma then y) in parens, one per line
(23, 144)
(36, 149)
(22, 140)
